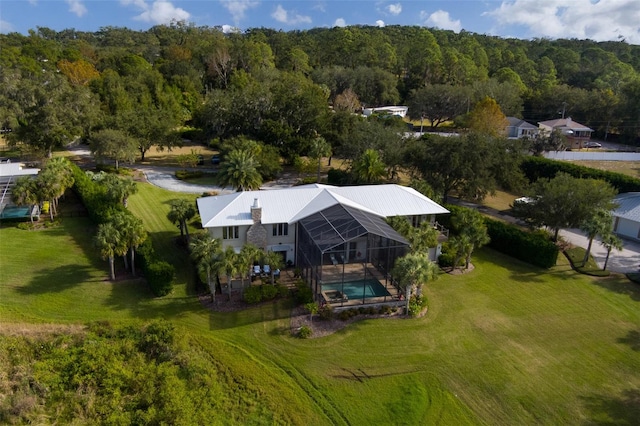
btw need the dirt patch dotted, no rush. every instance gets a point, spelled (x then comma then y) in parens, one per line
(458, 271)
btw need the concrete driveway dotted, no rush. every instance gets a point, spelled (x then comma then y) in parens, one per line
(627, 260)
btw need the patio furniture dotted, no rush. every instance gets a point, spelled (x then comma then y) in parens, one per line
(256, 270)
(266, 269)
(333, 260)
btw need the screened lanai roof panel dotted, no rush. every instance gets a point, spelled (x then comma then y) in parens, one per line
(339, 224)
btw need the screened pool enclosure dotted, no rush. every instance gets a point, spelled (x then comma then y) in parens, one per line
(346, 256)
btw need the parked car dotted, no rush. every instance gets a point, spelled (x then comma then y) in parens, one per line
(215, 159)
(593, 145)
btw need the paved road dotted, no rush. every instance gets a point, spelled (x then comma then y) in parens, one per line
(627, 260)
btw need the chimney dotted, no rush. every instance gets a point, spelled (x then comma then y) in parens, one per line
(568, 120)
(256, 211)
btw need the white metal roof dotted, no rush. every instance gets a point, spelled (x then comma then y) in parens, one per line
(292, 204)
(628, 206)
(16, 169)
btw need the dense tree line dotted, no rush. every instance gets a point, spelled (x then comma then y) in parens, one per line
(276, 86)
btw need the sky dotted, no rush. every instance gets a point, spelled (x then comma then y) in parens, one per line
(599, 20)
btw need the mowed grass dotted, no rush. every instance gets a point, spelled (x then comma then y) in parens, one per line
(504, 344)
(630, 168)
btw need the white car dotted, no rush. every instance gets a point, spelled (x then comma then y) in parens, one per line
(593, 145)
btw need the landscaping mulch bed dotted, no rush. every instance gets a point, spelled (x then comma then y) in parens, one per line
(320, 327)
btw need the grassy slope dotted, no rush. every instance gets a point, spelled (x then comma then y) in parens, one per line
(505, 344)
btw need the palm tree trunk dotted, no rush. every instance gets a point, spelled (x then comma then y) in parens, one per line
(212, 289)
(606, 260)
(318, 178)
(229, 285)
(126, 261)
(133, 261)
(112, 268)
(587, 253)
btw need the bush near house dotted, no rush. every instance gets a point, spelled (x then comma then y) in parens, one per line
(532, 247)
(93, 195)
(535, 168)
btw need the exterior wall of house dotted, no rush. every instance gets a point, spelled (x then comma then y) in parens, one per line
(627, 228)
(236, 243)
(282, 243)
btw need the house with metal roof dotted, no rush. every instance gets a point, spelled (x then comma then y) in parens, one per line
(9, 174)
(577, 134)
(626, 218)
(336, 236)
(518, 129)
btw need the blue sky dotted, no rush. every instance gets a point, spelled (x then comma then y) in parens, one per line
(594, 19)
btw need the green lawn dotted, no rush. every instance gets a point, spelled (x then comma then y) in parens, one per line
(504, 344)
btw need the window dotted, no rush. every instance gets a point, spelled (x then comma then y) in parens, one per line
(416, 220)
(230, 233)
(280, 229)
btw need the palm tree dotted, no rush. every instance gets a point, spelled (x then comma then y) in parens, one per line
(423, 237)
(227, 264)
(319, 148)
(206, 251)
(598, 224)
(133, 233)
(119, 189)
(369, 168)
(181, 211)
(60, 176)
(248, 255)
(275, 261)
(109, 243)
(470, 223)
(610, 241)
(239, 170)
(412, 271)
(461, 246)
(24, 193)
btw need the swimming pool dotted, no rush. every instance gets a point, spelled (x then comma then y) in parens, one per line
(15, 212)
(358, 289)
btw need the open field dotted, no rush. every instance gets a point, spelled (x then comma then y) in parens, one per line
(505, 344)
(631, 168)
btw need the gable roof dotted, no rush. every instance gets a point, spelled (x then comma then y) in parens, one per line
(293, 204)
(565, 123)
(628, 206)
(518, 122)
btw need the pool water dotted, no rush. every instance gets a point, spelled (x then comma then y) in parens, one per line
(359, 289)
(14, 212)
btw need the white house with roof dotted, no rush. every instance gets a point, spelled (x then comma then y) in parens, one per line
(626, 218)
(518, 128)
(235, 218)
(336, 236)
(9, 174)
(398, 110)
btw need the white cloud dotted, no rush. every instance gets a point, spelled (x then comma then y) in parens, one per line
(394, 9)
(237, 8)
(157, 12)
(340, 22)
(76, 6)
(380, 23)
(440, 19)
(598, 20)
(283, 16)
(6, 27)
(320, 6)
(228, 29)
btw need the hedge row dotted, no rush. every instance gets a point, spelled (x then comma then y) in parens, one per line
(530, 247)
(535, 168)
(159, 274)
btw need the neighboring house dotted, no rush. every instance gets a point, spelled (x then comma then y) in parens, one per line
(9, 173)
(626, 218)
(577, 134)
(519, 128)
(336, 236)
(400, 111)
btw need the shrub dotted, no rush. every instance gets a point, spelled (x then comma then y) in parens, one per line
(253, 295)
(344, 315)
(304, 332)
(269, 291)
(325, 312)
(282, 290)
(417, 304)
(445, 260)
(304, 294)
(531, 247)
(338, 177)
(307, 180)
(159, 276)
(188, 174)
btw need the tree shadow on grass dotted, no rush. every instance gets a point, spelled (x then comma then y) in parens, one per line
(55, 280)
(633, 340)
(620, 284)
(607, 410)
(267, 311)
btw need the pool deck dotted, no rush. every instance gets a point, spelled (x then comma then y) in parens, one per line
(333, 274)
